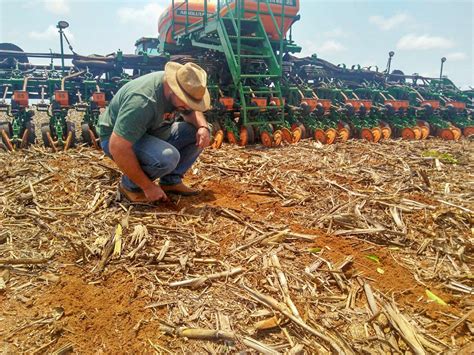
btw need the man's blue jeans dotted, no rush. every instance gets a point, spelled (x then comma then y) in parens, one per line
(168, 160)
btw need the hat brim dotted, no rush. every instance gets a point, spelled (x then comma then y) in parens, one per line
(202, 105)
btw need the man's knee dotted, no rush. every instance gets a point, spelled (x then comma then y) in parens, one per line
(169, 159)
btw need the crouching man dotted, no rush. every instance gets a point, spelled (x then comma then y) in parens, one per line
(134, 133)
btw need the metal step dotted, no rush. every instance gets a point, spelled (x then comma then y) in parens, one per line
(247, 38)
(254, 56)
(256, 76)
(242, 20)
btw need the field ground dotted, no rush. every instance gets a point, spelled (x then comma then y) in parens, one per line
(303, 248)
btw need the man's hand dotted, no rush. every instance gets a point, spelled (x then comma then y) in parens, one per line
(203, 137)
(155, 193)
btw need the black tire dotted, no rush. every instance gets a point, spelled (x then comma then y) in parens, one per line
(86, 137)
(45, 129)
(251, 134)
(71, 127)
(30, 126)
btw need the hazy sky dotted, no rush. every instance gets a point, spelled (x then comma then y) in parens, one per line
(341, 31)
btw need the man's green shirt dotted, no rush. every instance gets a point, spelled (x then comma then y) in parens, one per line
(136, 109)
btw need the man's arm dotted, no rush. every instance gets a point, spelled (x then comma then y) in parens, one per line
(124, 156)
(203, 134)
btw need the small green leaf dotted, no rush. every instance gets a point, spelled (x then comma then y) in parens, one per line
(435, 298)
(444, 157)
(314, 250)
(374, 258)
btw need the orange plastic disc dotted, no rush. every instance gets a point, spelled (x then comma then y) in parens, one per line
(344, 134)
(457, 132)
(266, 139)
(417, 131)
(386, 132)
(218, 139)
(296, 135)
(407, 133)
(468, 131)
(244, 137)
(446, 134)
(277, 138)
(377, 132)
(331, 135)
(366, 133)
(231, 138)
(286, 135)
(320, 135)
(425, 132)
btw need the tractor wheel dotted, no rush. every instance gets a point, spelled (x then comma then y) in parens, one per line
(377, 133)
(277, 138)
(367, 134)
(266, 139)
(286, 135)
(218, 139)
(331, 135)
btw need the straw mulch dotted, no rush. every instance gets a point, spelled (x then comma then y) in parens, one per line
(348, 248)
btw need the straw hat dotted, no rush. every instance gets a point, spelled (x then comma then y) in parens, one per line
(189, 83)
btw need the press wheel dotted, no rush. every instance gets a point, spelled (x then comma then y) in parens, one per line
(425, 128)
(457, 133)
(367, 134)
(320, 136)
(266, 139)
(447, 134)
(297, 134)
(343, 134)
(468, 131)
(286, 135)
(218, 139)
(47, 136)
(246, 136)
(277, 138)
(417, 131)
(407, 133)
(86, 134)
(331, 135)
(6, 134)
(231, 138)
(377, 133)
(386, 132)
(70, 135)
(301, 127)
